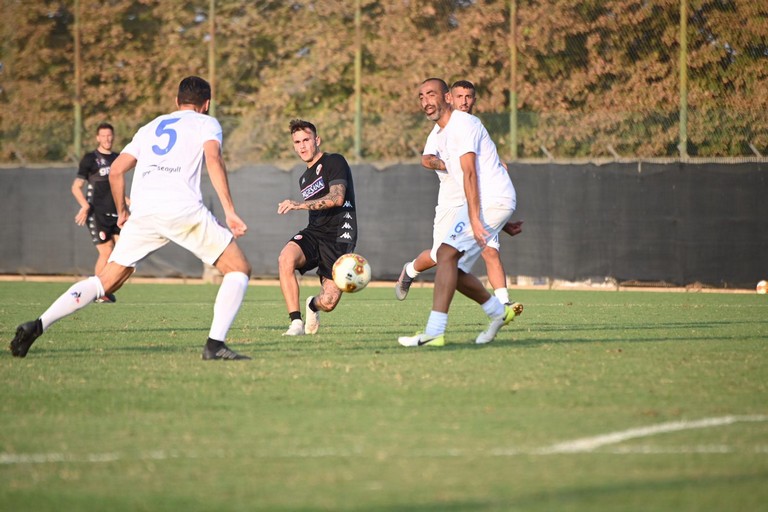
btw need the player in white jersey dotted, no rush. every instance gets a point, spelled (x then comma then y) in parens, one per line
(449, 201)
(167, 206)
(471, 159)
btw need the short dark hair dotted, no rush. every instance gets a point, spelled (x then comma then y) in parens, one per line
(104, 126)
(299, 124)
(466, 84)
(443, 85)
(193, 90)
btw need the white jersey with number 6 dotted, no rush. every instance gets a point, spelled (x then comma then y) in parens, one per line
(169, 155)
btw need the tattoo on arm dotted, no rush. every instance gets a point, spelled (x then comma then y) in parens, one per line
(335, 197)
(435, 163)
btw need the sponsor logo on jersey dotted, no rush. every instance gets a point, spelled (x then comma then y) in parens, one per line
(348, 204)
(313, 188)
(347, 216)
(319, 168)
(345, 235)
(297, 237)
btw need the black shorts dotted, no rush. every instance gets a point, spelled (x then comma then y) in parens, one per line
(102, 226)
(321, 253)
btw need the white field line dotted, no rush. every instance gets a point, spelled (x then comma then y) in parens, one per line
(588, 444)
(583, 445)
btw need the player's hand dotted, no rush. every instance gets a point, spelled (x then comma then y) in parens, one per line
(82, 216)
(122, 217)
(513, 228)
(236, 225)
(286, 206)
(480, 233)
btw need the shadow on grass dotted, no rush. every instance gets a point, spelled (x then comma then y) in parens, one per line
(642, 491)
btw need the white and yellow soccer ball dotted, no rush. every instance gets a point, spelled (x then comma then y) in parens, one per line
(762, 287)
(351, 273)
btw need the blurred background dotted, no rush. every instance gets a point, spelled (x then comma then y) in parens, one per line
(556, 79)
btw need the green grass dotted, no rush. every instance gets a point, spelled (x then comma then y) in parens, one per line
(114, 410)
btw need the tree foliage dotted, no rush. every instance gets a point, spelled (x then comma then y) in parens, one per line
(594, 76)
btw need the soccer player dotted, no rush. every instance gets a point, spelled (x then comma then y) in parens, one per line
(471, 159)
(329, 195)
(168, 155)
(449, 201)
(97, 207)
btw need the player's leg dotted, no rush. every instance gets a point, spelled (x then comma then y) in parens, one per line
(329, 297)
(328, 252)
(78, 296)
(499, 313)
(496, 275)
(443, 222)
(237, 271)
(104, 250)
(290, 260)
(200, 233)
(103, 229)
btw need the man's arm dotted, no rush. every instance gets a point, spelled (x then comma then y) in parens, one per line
(472, 192)
(334, 198)
(432, 162)
(122, 164)
(77, 191)
(217, 171)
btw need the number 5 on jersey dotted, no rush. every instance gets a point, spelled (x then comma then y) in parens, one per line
(162, 129)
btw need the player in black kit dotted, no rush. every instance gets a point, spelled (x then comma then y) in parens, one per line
(329, 195)
(97, 208)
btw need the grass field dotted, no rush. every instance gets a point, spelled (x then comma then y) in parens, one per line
(589, 402)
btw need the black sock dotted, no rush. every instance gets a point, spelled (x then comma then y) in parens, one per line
(212, 343)
(312, 306)
(294, 315)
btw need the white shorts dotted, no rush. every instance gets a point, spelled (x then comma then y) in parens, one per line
(197, 231)
(462, 238)
(445, 217)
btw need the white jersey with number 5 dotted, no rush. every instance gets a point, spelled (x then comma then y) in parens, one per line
(169, 154)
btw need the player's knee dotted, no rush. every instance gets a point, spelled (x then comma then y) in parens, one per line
(286, 262)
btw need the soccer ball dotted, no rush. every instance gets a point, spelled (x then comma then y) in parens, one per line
(762, 287)
(351, 273)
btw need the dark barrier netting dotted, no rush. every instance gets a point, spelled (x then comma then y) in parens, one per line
(677, 223)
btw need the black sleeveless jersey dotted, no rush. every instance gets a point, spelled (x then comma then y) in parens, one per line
(340, 222)
(94, 168)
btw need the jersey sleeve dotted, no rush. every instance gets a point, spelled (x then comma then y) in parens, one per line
(84, 169)
(212, 130)
(430, 147)
(467, 139)
(337, 169)
(133, 148)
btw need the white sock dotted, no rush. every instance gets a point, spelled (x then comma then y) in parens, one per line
(493, 308)
(77, 297)
(436, 323)
(502, 294)
(228, 301)
(410, 270)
